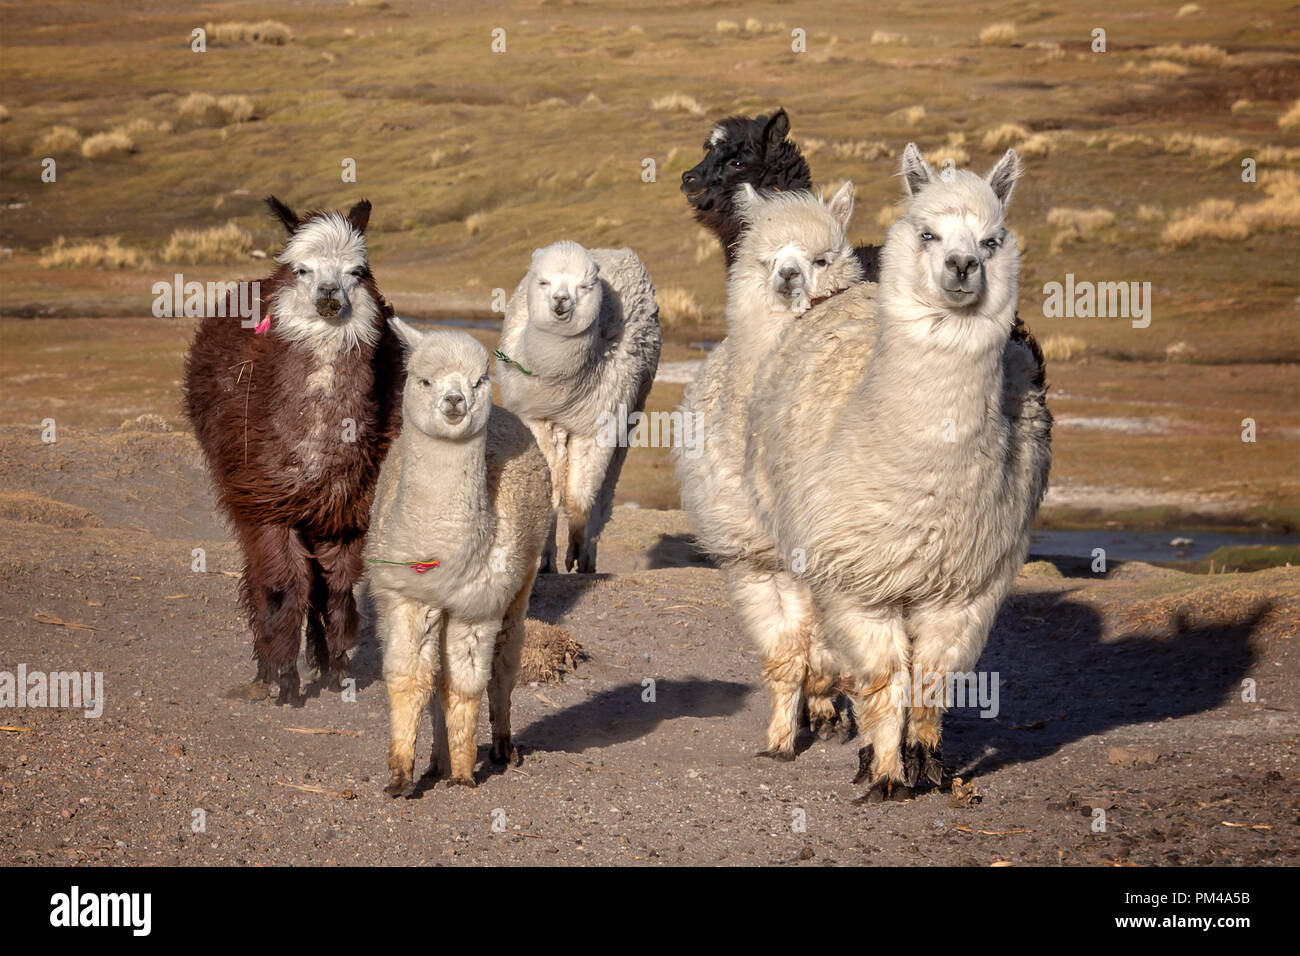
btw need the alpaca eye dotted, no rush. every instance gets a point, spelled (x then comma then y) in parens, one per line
(736, 164)
(301, 270)
(927, 236)
(424, 382)
(821, 262)
(991, 243)
(483, 381)
(358, 272)
(544, 283)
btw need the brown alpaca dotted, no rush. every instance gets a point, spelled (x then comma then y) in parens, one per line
(294, 418)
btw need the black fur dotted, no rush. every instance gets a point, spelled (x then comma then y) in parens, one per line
(755, 151)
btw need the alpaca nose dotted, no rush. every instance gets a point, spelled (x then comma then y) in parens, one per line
(961, 263)
(327, 290)
(690, 179)
(453, 405)
(788, 272)
(561, 303)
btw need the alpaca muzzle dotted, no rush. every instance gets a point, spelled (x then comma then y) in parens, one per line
(329, 306)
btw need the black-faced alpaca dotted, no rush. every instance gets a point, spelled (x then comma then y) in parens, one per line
(755, 150)
(294, 418)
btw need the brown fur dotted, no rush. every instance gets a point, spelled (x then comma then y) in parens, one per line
(301, 529)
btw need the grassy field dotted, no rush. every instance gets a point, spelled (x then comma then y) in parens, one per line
(474, 157)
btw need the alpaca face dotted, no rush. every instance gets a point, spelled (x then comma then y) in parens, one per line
(954, 251)
(448, 393)
(564, 292)
(325, 302)
(798, 245)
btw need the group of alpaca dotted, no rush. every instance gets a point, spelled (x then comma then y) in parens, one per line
(875, 448)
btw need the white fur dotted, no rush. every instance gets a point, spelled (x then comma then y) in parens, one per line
(464, 485)
(902, 444)
(786, 231)
(588, 365)
(328, 251)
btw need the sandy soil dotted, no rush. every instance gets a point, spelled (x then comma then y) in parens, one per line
(1120, 693)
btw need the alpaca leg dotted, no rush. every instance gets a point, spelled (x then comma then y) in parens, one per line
(821, 690)
(586, 482)
(947, 642)
(318, 656)
(875, 650)
(505, 671)
(343, 565)
(275, 591)
(547, 565)
(466, 670)
(439, 757)
(776, 611)
(410, 670)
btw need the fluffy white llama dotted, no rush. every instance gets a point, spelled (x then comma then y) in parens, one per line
(581, 345)
(793, 253)
(904, 445)
(464, 486)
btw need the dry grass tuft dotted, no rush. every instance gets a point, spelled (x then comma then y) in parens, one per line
(58, 139)
(1226, 220)
(885, 38)
(954, 149)
(474, 223)
(1200, 54)
(1291, 118)
(1004, 136)
(1179, 352)
(1187, 10)
(678, 101)
(206, 109)
(1163, 69)
(106, 253)
(1077, 225)
(910, 115)
(706, 245)
(999, 34)
(1064, 348)
(1241, 106)
(237, 31)
(5, 115)
(26, 507)
(677, 306)
(861, 149)
(1150, 212)
(217, 244)
(549, 652)
(238, 109)
(113, 143)
(727, 27)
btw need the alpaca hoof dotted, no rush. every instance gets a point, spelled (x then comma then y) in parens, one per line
(547, 565)
(775, 753)
(462, 781)
(911, 764)
(289, 687)
(866, 756)
(932, 765)
(338, 672)
(886, 790)
(254, 690)
(400, 786)
(505, 752)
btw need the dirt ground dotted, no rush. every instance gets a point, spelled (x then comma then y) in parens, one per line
(1121, 693)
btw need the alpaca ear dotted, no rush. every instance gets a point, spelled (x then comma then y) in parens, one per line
(917, 173)
(746, 199)
(408, 335)
(1002, 178)
(287, 216)
(841, 204)
(359, 215)
(777, 129)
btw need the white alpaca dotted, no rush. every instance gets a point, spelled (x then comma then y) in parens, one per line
(466, 486)
(581, 343)
(793, 253)
(903, 443)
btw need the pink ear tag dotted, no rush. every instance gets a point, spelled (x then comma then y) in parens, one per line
(263, 325)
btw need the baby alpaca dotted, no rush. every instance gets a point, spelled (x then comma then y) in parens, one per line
(904, 443)
(793, 254)
(579, 350)
(465, 487)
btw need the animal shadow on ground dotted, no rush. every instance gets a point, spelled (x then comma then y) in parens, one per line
(1058, 682)
(678, 551)
(621, 713)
